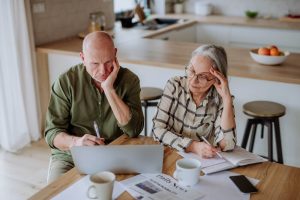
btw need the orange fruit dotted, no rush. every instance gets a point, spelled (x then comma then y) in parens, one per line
(274, 52)
(264, 51)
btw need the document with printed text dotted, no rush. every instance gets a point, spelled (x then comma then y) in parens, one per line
(159, 186)
(231, 159)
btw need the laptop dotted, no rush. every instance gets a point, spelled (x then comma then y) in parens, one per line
(119, 159)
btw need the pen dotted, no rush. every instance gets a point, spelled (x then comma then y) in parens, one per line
(96, 129)
(203, 138)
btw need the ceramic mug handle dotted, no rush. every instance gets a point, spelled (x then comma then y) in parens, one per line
(177, 175)
(88, 194)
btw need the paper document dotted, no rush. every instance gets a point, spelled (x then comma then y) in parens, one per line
(219, 186)
(78, 190)
(232, 159)
(204, 162)
(157, 187)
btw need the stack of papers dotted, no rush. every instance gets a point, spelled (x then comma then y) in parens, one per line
(232, 159)
(157, 187)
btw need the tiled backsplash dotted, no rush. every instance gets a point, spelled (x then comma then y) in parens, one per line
(65, 18)
(271, 8)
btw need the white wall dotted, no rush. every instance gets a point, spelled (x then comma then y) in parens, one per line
(64, 18)
(274, 8)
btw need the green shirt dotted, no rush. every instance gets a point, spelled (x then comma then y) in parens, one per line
(75, 103)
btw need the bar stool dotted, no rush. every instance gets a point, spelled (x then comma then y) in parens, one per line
(149, 97)
(265, 113)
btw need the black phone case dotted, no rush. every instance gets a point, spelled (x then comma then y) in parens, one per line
(243, 184)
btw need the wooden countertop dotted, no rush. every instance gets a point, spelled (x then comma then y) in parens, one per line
(134, 47)
(277, 181)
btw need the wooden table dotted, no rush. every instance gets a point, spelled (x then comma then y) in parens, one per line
(277, 181)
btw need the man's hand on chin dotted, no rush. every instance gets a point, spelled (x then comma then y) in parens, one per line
(108, 84)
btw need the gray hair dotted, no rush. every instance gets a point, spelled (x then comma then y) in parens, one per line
(218, 57)
(216, 54)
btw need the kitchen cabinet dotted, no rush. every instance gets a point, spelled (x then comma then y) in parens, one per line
(235, 36)
(248, 37)
(59, 63)
(213, 34)
(253, 37)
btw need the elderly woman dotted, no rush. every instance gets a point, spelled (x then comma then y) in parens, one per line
(198, 105)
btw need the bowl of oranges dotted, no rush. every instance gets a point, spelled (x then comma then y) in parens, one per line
(269, 55)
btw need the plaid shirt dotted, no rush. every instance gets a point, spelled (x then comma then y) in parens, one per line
(178, 121)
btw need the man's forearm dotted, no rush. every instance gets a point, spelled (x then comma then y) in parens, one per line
(64, 141)
(118, 106)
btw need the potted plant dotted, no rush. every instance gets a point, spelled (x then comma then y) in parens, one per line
(178, 6)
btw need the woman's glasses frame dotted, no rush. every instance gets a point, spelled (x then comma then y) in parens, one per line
(202, 77)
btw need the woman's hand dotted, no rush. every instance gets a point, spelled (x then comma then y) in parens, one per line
(221, 85)
(202, 149)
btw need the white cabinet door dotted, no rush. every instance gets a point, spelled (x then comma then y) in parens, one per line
(58, 64)
(213, 34)
(236, 36)
(253, 37)
(187, 34)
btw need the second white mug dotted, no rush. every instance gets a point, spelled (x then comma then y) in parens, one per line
(187, 171)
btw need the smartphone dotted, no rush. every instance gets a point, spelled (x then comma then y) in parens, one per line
(243, 184)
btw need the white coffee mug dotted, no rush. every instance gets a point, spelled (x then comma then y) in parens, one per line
(187, 171)
(102, 184)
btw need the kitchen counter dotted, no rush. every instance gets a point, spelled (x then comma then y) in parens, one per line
(134, 47)
(235, 20)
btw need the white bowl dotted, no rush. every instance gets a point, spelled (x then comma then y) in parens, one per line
(203, 8)
(268, 60)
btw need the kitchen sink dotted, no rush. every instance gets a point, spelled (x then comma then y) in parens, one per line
(158, 23)
(165, 21)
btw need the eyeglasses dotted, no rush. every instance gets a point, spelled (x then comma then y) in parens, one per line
(203, 78)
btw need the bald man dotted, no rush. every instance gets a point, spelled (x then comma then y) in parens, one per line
(98, 90)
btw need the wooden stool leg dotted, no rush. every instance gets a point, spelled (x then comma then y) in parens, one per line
(252, 137)
(278, 141)
(246, 134)
(262, 131)
(270, 140)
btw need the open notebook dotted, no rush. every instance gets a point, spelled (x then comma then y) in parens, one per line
(232, 159)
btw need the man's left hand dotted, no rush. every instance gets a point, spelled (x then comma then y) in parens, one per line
(108, 84)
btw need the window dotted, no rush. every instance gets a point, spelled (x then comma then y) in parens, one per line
(123, 5)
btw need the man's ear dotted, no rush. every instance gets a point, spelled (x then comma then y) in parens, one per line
(116, 50)
(81, 56)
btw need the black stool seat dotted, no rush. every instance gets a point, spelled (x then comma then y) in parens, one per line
(149, 97)
(265, 113)
(150, 93)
